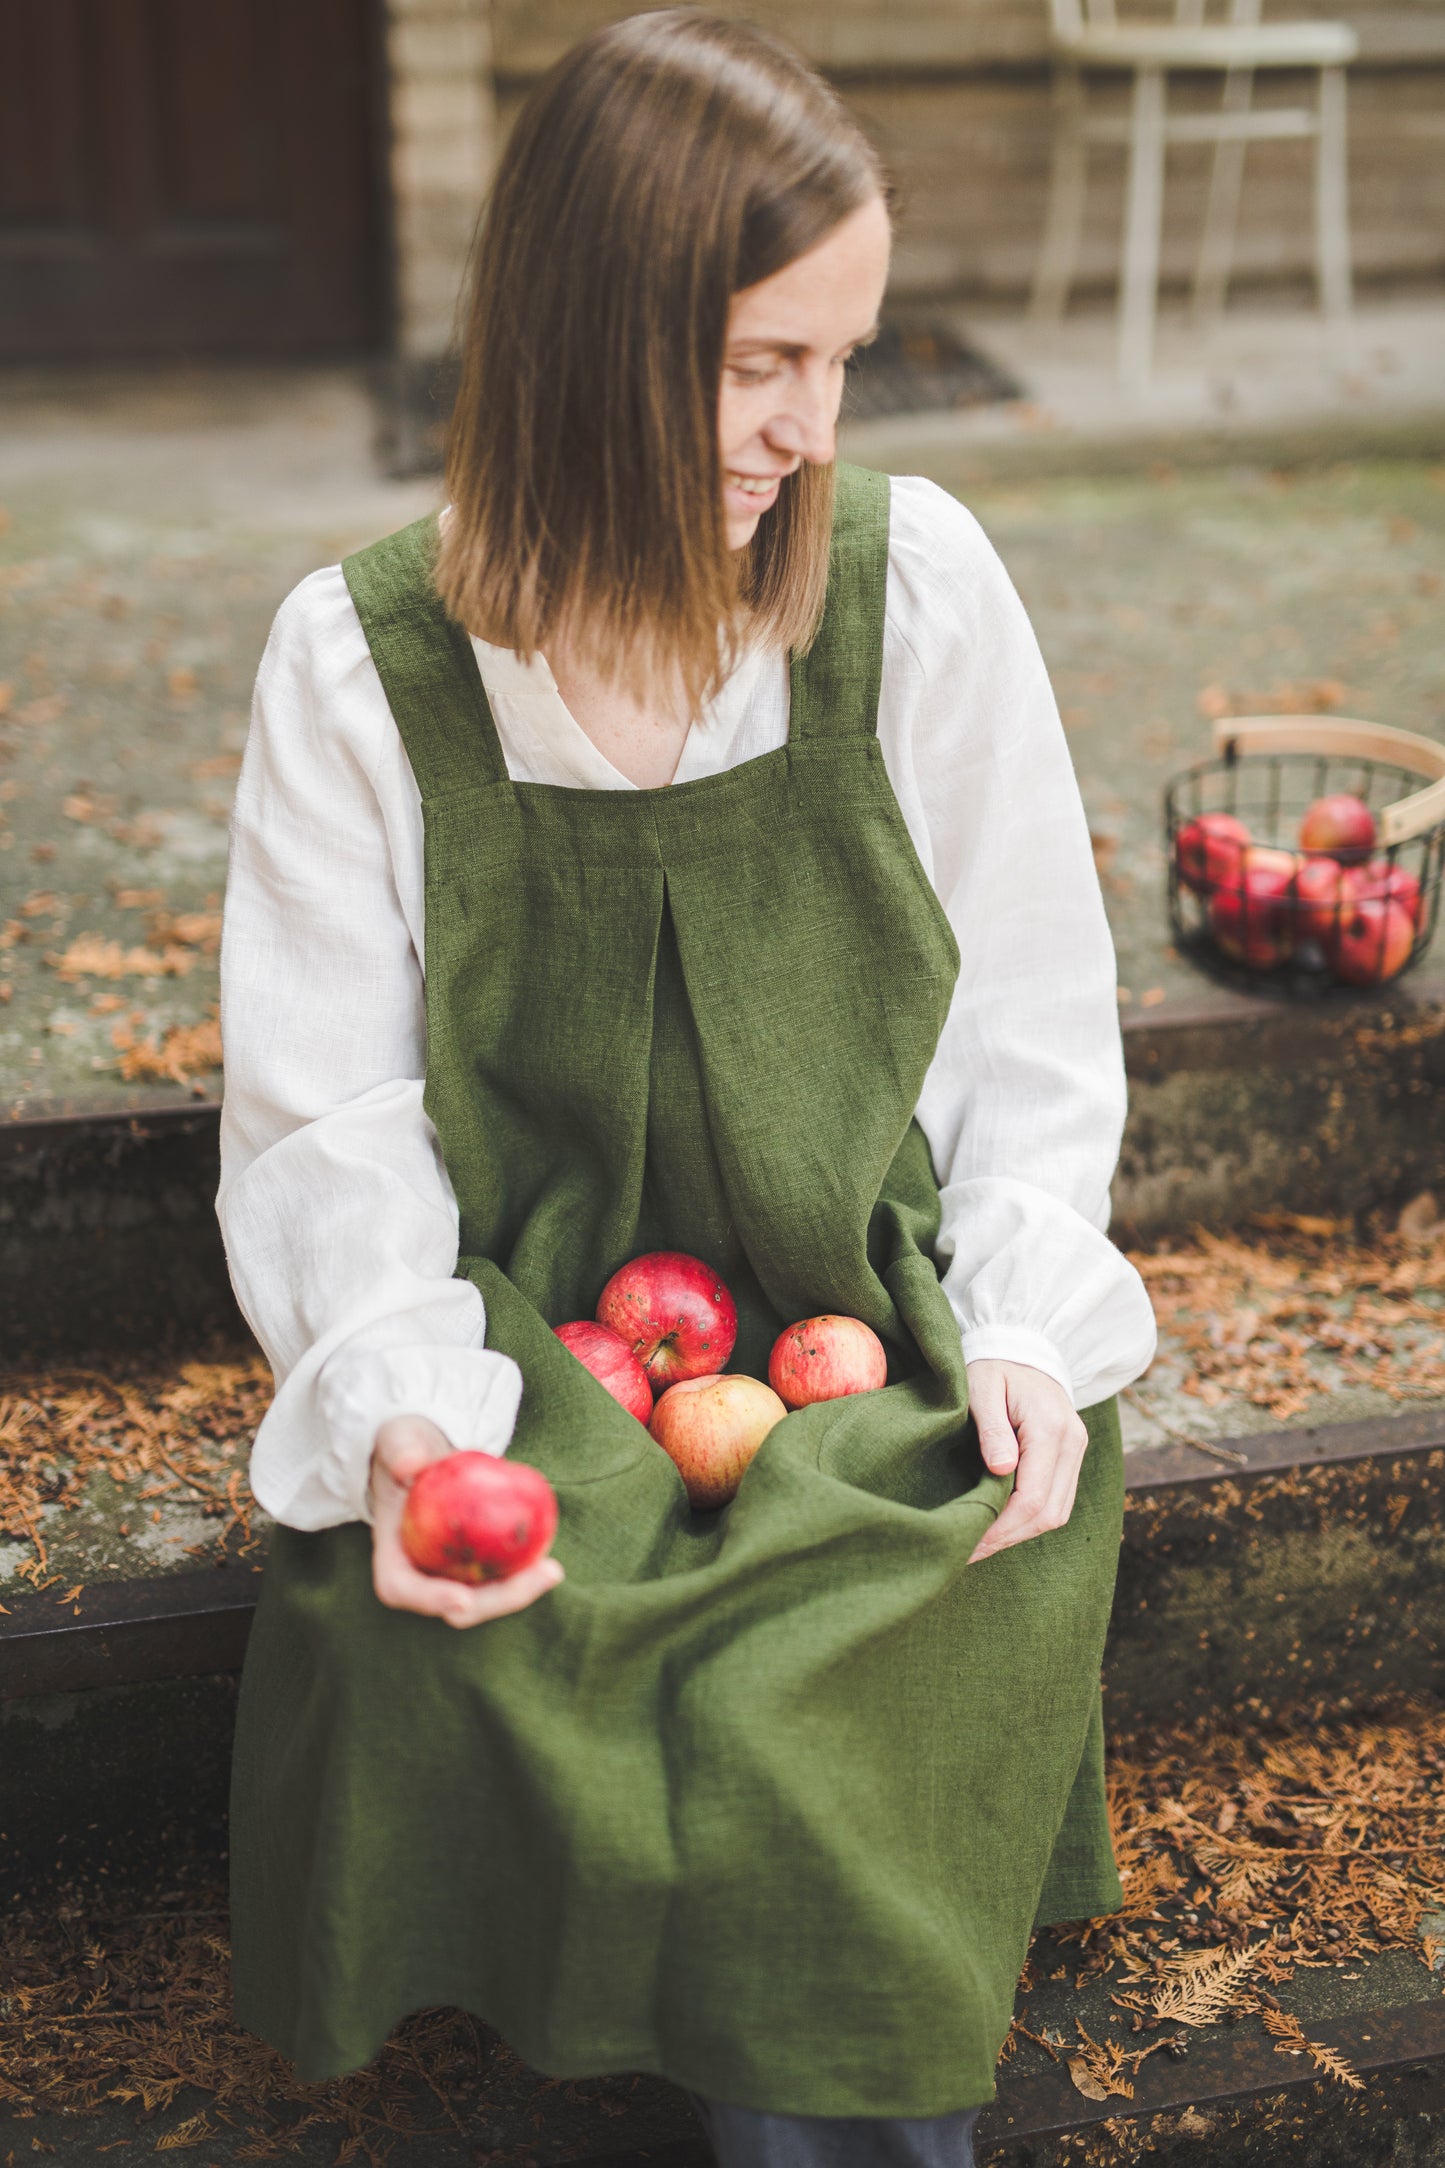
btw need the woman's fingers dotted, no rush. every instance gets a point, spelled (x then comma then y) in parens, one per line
(1050, 1444)
(988, 1404)
(460, 1603)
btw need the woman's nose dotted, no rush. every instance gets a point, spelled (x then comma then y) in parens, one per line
(807, 429)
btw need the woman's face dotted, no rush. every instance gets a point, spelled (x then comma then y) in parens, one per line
(788, 339)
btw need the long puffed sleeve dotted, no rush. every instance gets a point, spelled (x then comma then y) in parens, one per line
(339, 1220)
(1024, 1103)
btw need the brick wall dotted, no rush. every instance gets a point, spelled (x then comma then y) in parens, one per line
(956, 93)
(443, 142)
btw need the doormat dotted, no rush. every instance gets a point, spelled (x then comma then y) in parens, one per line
(919, 367)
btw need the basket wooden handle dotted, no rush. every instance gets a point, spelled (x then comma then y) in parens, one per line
(1342, 736)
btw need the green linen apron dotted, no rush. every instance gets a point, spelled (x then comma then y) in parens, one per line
(766, 1800)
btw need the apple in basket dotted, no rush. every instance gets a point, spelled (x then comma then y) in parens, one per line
(1341, 825)
(1251, 919)
(675, 1314)
(606, 1354)
(1325, 895)
(1208, 849)
(472, 1517)
(1377, 878)
(1375, 941)
(710, 1428)
(825, 1358)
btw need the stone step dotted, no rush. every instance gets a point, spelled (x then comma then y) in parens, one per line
(1237, 1101)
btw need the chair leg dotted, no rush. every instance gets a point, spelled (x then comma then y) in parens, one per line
(1332, 210)
(1138, 288)
(1063, 222)
(1221, 213)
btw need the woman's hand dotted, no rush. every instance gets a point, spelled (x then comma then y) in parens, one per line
(1026, 1421)
(404, 1445)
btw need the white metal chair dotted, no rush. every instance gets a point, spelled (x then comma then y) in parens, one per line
(1089, 37)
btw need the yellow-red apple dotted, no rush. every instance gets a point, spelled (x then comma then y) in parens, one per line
(1341, 825)
(711, 1427)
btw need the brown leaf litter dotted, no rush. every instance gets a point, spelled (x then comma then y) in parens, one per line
(1280, 1316)
(1249, 1855)
(111, 2000)
(173, 1429)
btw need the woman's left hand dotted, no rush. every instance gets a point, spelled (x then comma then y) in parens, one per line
(1026, 1421)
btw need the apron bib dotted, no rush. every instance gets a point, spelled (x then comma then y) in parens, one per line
(765, 1800)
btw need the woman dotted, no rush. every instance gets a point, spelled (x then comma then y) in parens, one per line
(757, 920)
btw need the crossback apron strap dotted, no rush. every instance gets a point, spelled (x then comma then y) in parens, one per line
(835, 684)
(426, 663)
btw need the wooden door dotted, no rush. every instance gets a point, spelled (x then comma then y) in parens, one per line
(187, 177)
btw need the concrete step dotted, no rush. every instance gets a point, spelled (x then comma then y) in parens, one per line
(1237, 1101)
(449, 2094)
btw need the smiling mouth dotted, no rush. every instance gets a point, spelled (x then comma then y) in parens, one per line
(754, 485)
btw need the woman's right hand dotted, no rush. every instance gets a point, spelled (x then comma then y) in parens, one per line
(403, 1447)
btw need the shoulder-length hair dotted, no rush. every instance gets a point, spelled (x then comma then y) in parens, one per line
(667, 162)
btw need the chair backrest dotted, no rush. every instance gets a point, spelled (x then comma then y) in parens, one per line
(1071, 16)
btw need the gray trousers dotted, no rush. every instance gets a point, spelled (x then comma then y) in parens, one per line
(751, 2138)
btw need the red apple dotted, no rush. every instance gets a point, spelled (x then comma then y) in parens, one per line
(1342, 825)
(824, 1358)
(674, 1313)
(1325, 899)
(606, 1354)
(1251, 917)
(1208, 849)
(1375, 941)
(711, 1427)
(1380, 881)
(472, 1517)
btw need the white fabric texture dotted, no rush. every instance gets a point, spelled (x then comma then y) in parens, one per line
(339, 1220)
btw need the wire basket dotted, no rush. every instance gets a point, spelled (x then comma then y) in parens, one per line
(1263, 912)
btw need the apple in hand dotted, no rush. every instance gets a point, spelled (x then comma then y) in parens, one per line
(674, 1313)
(1251, 918)
(711, 1427)
(606, 1354)
(824, 1358)
(1375, 941)
(1208, 849)
(472, 1517)
(1341, 825)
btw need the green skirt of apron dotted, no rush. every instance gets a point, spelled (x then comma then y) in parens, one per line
(766, 1800)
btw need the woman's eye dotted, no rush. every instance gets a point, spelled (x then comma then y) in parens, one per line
(751, 376)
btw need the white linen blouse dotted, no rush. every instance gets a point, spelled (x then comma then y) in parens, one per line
(340, 1223)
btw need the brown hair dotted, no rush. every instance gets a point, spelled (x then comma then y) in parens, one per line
(667, 162)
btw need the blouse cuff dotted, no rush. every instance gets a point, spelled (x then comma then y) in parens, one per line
(1025, 1270)
(470, 1393)
(1017, 1344)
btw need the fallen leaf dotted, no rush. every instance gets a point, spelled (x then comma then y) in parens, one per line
(48, 709)
(181, 683)
(1085, 2081)
(92, 956)
(1420, 1219)
(1151, 997)
(1212, 702)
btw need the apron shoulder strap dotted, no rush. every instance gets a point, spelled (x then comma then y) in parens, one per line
(835, 683)
(426, 663)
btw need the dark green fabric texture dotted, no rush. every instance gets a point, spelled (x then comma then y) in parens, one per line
(766, 1800)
